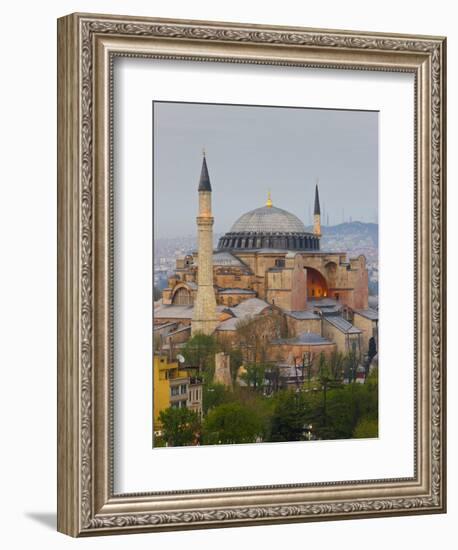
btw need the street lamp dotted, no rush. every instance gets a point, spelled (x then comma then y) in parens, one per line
(307, 430)
(309, 435)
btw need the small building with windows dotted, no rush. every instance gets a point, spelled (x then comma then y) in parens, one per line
(346, 336)
(174, 386)
(367, 321)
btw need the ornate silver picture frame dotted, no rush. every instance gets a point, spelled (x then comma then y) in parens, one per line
(87, 47)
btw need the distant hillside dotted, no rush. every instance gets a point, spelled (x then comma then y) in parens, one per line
(360, 230)
(354, 238)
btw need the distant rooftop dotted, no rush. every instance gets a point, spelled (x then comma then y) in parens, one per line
(191, 284)
(178, 311)
(307, 338)
(182, 329)
(236, 291)
(323, 302)
(164, 325)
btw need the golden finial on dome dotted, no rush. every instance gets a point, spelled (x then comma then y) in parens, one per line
(269, 203)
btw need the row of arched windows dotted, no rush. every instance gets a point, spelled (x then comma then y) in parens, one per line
(281, 241)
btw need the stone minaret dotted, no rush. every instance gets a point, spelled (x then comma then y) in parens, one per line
(204, 320)
(317, 214)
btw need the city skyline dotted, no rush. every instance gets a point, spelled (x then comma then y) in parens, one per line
(253, 150)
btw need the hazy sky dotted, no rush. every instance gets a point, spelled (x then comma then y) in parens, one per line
(253, 149)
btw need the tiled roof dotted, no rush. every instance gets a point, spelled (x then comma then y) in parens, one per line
(182, 329)
(236, 291)
(191, 284)
(342, 324)
(223, 258)
(178, 311)
(229, 324)
(164, 325)
(174, 311)
(302, 315)
(369, 313)
(323, 303)
(252, 306)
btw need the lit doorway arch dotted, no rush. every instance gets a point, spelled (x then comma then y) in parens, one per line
(317, 286)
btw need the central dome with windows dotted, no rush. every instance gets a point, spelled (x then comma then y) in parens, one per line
(268, 220)
(269, 227)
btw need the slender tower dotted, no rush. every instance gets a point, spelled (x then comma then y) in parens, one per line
(204, 320)
(317, 214)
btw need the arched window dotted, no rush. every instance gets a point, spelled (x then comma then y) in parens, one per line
(182, 297)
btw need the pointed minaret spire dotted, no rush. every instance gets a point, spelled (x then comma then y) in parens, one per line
(316, 209)
(317, 213)
(204, 182)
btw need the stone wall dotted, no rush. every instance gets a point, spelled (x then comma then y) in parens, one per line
(223, 369)
(285, 353)
(367, 326)
(298, 326)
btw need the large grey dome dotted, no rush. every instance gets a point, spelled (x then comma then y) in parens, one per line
(268, 228)
(268, 219)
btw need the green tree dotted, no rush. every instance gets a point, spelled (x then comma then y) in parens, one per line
(347, 405)
(366, 427)
(231, 423)
(336, 365)
(349, 366)
(327, 381)
(338, 419)
(253, 334)
(180, 426)
(199, 351)
(215, 395)
(292, 414)
(236, 360)
(255, 375)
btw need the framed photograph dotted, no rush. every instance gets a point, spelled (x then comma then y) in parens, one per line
(251, 290)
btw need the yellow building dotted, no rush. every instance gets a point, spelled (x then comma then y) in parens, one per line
(173, 387)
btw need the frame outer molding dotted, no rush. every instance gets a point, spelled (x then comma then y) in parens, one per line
(86, 503)
(68, 288)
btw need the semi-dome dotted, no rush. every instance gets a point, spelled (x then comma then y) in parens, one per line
(268, 220)
(269, 227)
